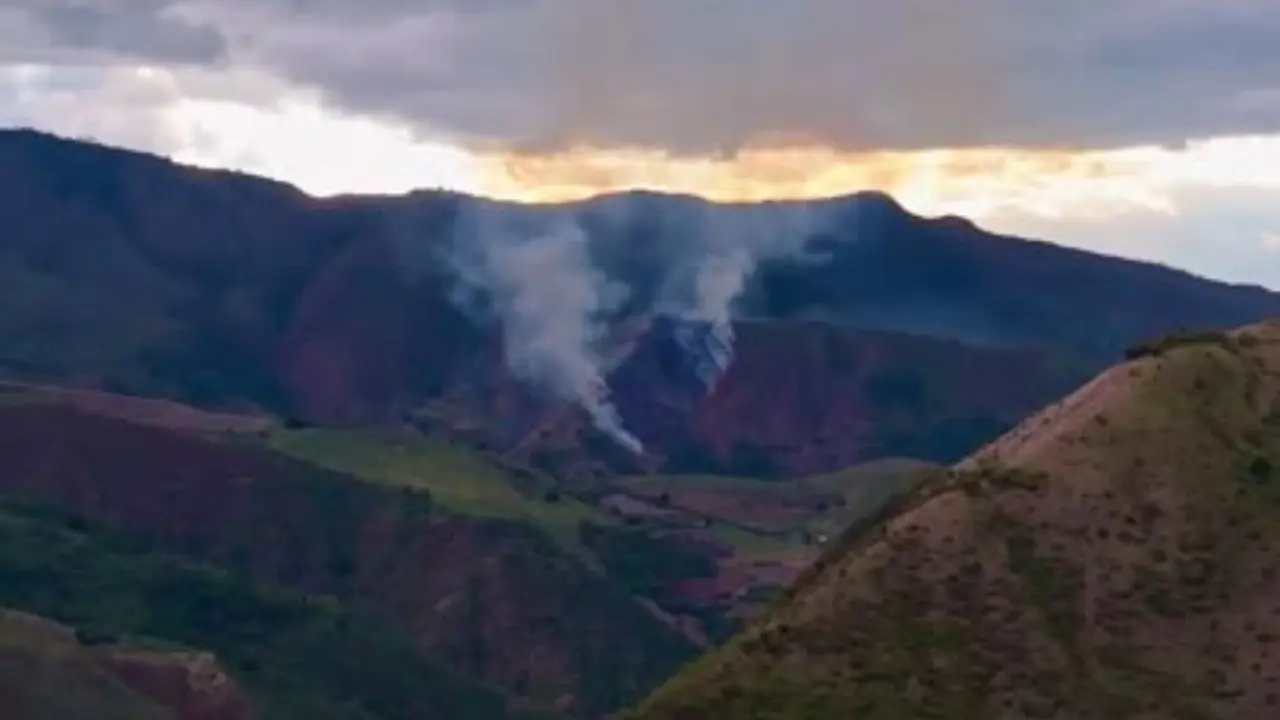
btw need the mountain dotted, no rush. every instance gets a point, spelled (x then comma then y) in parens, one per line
(128, 273)
(1113, 556)
(834, 397)
(945, 277)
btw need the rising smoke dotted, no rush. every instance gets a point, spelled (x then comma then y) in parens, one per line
(533, 268)
(734, 239)
(534, 271)
(705, 78)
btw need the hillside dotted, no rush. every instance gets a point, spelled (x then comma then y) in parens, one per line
(835, 397)
(47, 674)
(498, 599)
(128, 273)
(138, 613)
(1112, 557)
(702, 552)
(946, 277)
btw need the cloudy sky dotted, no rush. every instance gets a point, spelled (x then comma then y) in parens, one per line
(1149, 128)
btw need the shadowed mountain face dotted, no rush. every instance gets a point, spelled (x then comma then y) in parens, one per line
(126, 272)
(1112, 557)
(805, 397)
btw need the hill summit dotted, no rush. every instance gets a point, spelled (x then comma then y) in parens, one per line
(1111, 557)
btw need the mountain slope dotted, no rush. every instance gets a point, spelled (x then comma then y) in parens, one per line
(887, 269)
(499, 600)
(47, 674)
(130, 273)
(1112, 557)
(138, 611)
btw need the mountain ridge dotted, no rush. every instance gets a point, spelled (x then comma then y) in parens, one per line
(342, 312)
(873, 198)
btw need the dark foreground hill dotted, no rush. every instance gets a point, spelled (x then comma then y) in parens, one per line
(129, 273)
(1112, 557)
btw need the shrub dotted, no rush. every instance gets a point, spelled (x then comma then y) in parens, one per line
(1161, 345)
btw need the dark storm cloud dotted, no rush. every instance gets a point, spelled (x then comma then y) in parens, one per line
(712, 75)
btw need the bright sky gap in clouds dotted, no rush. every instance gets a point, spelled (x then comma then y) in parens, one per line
(1147, 128)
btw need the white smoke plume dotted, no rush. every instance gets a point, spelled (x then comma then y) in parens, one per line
(734, 240)
(534, 270)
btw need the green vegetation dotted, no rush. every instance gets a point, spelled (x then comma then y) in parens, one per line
(1162, 345)
(304, 658)
(647, 565)
(764, 518)
(756, 544)
(457, 479)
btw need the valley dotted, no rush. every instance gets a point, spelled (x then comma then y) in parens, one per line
(271, 431)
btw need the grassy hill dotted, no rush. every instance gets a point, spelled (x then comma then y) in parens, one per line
(458, 479)
(1112, 557)
(45, 674)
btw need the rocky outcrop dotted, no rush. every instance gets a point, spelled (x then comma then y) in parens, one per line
(191, 685)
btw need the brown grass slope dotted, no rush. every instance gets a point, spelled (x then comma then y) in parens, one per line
(46, 674)
(1112, 557)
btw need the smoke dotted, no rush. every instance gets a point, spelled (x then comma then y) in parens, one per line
(735, 239)
(534, 272)
(551, 287)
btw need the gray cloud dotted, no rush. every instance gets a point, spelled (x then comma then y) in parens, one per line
(712, 75)
(81, 31)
